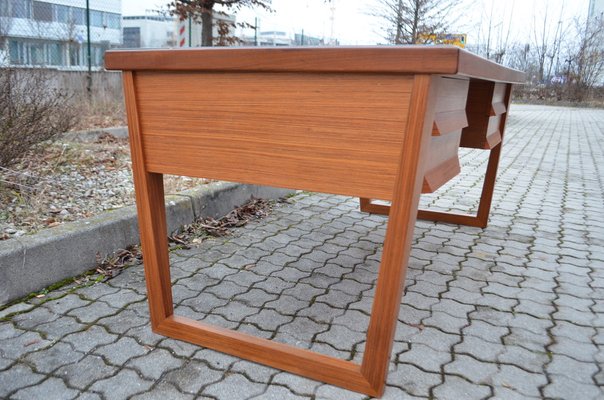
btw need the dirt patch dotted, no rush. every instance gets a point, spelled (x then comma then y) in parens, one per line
(67, 181)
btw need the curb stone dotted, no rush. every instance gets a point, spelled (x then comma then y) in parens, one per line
(120, 132)
(31, 263)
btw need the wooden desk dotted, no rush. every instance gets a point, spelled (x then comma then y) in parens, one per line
(372, 122)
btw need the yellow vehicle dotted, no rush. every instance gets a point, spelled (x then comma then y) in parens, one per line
(456, 39)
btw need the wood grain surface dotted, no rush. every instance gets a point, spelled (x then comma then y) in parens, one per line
(441, 60)
(399, 232)
(482, 109)
(335, 133)
(149, 191)
(286, 357)
(450, 113)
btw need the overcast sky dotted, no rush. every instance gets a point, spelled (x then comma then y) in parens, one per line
(353, 24)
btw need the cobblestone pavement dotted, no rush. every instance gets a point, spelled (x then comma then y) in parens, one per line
(514, 311)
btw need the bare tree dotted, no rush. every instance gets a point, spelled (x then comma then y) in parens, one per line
(547, 39)
(586, 62)
(406, 21)
(556, 47)
(31, 112)
(202, 10)
(540, 43)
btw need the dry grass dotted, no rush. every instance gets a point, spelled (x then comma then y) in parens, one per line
(67, 181)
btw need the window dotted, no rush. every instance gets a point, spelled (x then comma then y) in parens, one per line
(113, 21)
(37, 54)
(55, 53)
(4, 11)
(75, 56)
(96, 18)
(42, 11)
(61, 13)
(132, 37)
(97, 55)
(17, 52)
(78, 16)
(20, 8)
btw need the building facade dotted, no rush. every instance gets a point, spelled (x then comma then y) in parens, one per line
(596, 8)
(53, 33)
(156, 31)
(148, 31)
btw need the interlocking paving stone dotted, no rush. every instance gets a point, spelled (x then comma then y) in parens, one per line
(164, 391)
(53, 357)
(34, 318)
(235, 387)
(471, 369)
(457, 388)
(279, 393)
(16, 377)
(86, 340)
(513, 311)
(27, 342)
(123, 321)
(565, 388)
(413, 380)
(121, 351)
(65, 304)
(123, 385)
(526, 383)
(298, 384)
(192, 376)
(50, 389)
(92, 312)
(88, 370)
(255, 372)
(425, 358)
(155, 363)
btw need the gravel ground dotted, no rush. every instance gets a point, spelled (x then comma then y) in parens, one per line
(67, 181)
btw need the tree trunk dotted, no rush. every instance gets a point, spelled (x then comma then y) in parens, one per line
(207, 28)
(416, 20)
(399, 23)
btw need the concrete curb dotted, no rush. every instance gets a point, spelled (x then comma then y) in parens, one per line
(30, 263)
(91, 135)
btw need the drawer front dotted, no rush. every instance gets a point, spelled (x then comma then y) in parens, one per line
(486, 104)
(449, 120)
(450, 114)
(334, 133)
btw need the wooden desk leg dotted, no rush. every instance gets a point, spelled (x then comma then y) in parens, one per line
(399, 233)
(149, 190)
(479, 220)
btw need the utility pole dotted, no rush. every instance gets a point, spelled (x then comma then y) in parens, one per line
(89, 52)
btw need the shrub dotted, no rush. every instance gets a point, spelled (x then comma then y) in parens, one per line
(31, 112)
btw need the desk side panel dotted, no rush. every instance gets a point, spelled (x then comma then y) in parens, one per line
(335, 133)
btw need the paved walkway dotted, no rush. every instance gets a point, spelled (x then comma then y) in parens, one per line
(514, 311)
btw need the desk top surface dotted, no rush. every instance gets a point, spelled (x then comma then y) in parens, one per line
(440, 60)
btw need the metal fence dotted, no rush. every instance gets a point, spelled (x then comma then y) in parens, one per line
(58, 34)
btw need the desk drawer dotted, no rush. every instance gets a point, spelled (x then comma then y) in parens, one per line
(449, 120)
(487, 102)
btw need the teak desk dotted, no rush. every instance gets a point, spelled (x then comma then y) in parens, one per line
(373, 122)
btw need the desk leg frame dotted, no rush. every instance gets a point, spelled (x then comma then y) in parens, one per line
(369, 377)
(481, 219)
